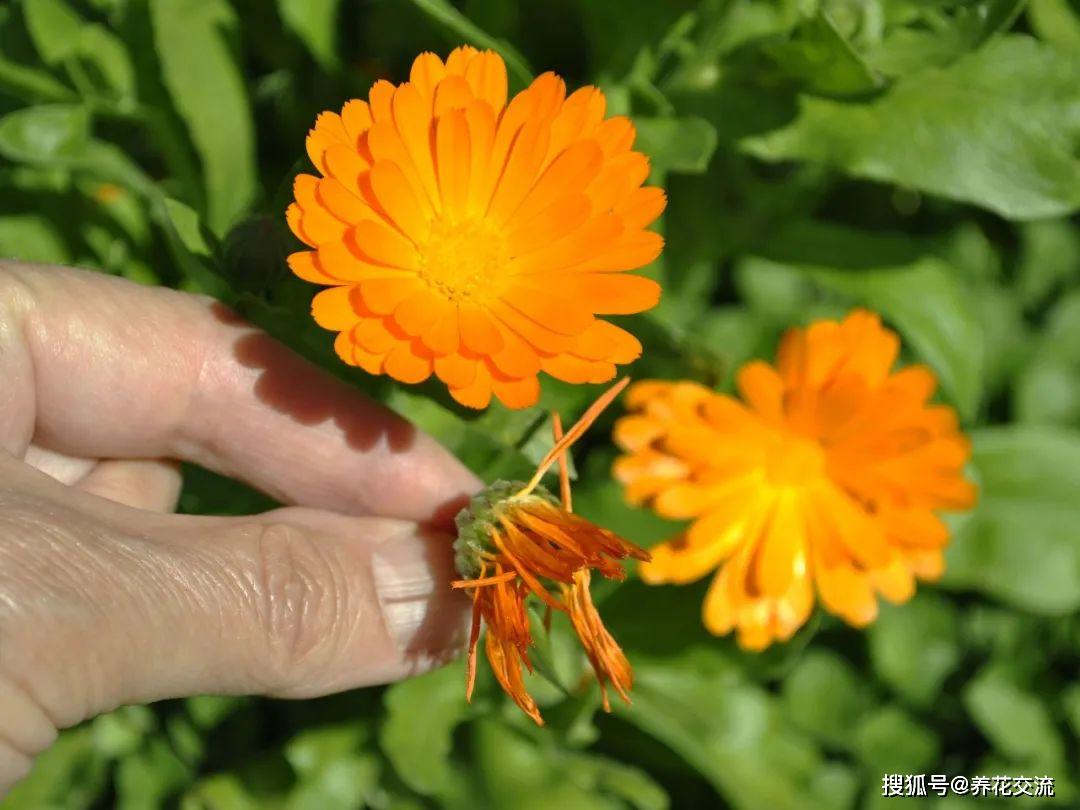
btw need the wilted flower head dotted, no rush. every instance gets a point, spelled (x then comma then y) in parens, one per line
(828, 475)
(516, 540)
(475, 239)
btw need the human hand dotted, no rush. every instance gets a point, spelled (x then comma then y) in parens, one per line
(106, 598)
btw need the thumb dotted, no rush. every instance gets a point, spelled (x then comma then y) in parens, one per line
(293, 603)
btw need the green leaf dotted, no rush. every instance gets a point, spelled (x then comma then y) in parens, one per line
(1048, 393)
(146, 779)
(17, 78)
(1016, 722)
(1056, 21)
(461, 27)
(70, 775)
(825, 697)
(534, 774)
(108, 58)
(998, 129)
(420, 751)
(188, 228)
(1020, 544)
(682, 145)
(203, 77)
(914, 647)
(123, 731)
(606, 776)
(44, 133)
(54, 28)
(819, 57)
(315, 23)
(698, 705)
(938, 34)
(890, 741)
(331, 767)
(32, 237)
(223, 791)
(1049, 257)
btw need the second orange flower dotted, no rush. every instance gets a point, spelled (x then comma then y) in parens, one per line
(476, 239)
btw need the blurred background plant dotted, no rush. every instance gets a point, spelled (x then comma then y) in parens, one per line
(918, 157)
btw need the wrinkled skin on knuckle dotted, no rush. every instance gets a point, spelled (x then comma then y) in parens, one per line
(298, 594)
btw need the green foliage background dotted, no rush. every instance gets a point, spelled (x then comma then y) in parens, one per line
(920, 157)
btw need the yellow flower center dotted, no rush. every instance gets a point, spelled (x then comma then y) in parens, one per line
(795, 461)
(463, 260)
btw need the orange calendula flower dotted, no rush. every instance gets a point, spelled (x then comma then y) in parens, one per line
(477, 239)
(516, 540)
(827, 476)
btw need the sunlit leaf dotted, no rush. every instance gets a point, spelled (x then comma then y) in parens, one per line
(975, 131)
(200, 70)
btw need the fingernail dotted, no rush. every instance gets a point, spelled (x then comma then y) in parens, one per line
(413, 571)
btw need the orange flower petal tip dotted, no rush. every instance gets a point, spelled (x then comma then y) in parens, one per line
(824, 479)
(474, 238)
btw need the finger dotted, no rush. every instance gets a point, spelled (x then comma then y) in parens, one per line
(122, 370)
(293, 603)
(64, 468)
(150, 484)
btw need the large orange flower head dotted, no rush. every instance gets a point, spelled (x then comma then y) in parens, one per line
(828, 475)
(475, 239)
(516, 540)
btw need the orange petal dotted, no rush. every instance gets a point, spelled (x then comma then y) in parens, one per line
(382, 295)
(457, 371)
(380, 99)
(718, 613)
(642, 207)
(372, 335)
(420, 311)
(305, 264)
(558, 312)
(427, 71)
(782, 553)
(453, 93)
(486, 74)
(478, 393)
(385, 245)
(606, 341)
(453, 160)
(545, 340)
(558, 220)
(631, 250)
(617, 294)
(762, 389)
(342, 203)
(443, 337)
(480, 119)
(516, 359)
(615, 136)
(517, 393)
(524, 162)
(356, 117)
(413, 120)
(399, 200)
(573, 169)
(405, 365)
(333, 309)
(345, 165)
(572, 369)
(593, 238)
(479, 331)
